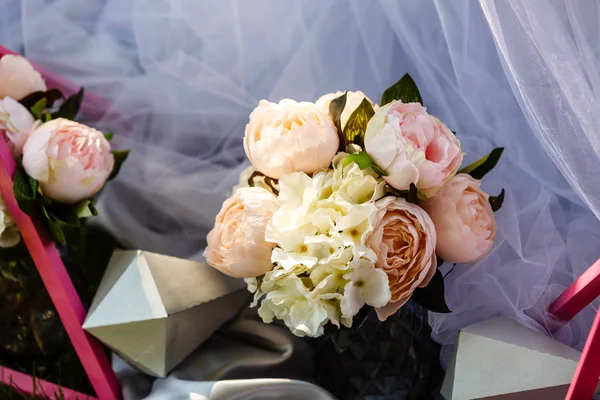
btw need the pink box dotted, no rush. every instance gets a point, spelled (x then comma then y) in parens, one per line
(56, 279)
(575, 298)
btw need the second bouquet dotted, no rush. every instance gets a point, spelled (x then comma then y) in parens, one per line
(349, 204)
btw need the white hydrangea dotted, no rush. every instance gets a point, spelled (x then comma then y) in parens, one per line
(323, 271)
(9, 233)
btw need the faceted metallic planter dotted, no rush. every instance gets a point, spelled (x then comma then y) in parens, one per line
(154, 310)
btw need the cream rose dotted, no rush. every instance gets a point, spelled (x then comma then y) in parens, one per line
(464, 220)
(412, 147)
(18, 78)
(290, 137)
(9, 233)
(15, 124)
(70, 160)
(353, 100)
(404, 240)
(237, 245)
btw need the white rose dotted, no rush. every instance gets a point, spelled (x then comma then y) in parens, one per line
(353, 100)
(16, 123)
(9, 233)
(18, 78)
(288, 136)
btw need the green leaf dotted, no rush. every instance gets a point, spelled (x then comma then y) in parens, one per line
(34, 185)
(51, 97)
(378, 170)
(496, 201)
(7, 273)
(63, 214)
(92, 208)
(54, 228)
(23, 193)
(38, 108)
(335, 111)
(405, 89)
(70, 107)
(85, 209)
(484, 165)
(356, 126)
(109, 135)
(432, 296)
(120, 157)
(361, 159)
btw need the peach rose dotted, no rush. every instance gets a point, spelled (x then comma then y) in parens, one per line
(464, 220)
(15, 124)
(237, 245)
(18, 78)
(353, 100)
(412, 147)
(403, 238)
(70, 160)
(290, 137)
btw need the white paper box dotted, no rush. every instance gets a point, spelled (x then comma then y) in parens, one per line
(154, 310)
(501, 357)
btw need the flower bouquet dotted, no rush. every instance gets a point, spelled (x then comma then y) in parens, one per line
(348, 211)
(56, 166)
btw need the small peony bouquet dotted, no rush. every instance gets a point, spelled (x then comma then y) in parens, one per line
(349, 205)
(62, 163)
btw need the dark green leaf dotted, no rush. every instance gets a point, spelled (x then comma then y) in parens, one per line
(7, 273)
(412, 194)
(120, 157)
(92, 208)
(378, 170)
(34, 185)
(405, 89)
(109, 135)
(23, 193)
(335, 111)
(38, 108)
(54, 228)
(496, 201)
(51, 97)
(70, 107)
(356, 126)
(63, 214)
(361, 159)
(484, 165)
(432, 296)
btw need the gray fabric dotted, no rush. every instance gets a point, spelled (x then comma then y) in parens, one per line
(246, 359)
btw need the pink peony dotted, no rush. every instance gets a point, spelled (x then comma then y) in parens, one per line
(464, 220)
(288, 136)
(403, 238)
(18, 78)
(15, 124)
(237, 245)
(70, 160)
(412, 147)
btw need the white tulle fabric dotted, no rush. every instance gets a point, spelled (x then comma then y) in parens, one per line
(181, 78)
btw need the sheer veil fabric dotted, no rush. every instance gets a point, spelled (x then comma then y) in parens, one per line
(182, 76)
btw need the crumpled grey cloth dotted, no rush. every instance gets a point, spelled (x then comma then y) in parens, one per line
(245, 360)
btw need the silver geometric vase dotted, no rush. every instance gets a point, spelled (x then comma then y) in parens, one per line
(155, 310)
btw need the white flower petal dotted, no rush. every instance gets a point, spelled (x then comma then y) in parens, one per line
(352, 301)
(376, 290)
